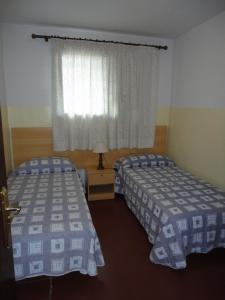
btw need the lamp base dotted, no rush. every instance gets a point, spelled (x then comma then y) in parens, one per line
(100, 162)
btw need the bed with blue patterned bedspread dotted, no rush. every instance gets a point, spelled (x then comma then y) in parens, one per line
(181, 214)
(53, 234)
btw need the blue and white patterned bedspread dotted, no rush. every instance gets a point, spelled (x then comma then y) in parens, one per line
(181, 214)
(53, 234)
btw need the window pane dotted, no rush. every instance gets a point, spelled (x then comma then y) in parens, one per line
(83, 85)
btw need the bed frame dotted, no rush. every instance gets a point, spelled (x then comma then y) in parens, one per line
(32, 142)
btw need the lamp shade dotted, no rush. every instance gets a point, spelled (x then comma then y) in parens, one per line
(100, 147)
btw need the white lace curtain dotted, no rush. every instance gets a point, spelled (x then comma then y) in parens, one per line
(103, 92)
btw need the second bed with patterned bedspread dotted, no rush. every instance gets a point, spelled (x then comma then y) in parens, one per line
(181, 214)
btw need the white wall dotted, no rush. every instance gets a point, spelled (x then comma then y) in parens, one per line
(200, 65)
(197, 123)
(27, 62)
(2, 89)
(4, 112)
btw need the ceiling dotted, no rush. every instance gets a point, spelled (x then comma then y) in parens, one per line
(163, 18)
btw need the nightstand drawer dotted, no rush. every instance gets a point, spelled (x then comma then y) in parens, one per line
(100, 178)
(100, 184)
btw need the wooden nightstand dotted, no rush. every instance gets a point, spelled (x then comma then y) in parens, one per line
(100, 184)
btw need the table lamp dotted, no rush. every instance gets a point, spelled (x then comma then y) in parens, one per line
(100, 148)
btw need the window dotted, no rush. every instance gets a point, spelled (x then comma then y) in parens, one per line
(83, 85)
(103, 92)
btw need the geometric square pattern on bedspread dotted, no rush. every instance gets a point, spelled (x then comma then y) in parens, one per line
(138, 161)
(45, 165)
(54, 233)
(181, 214)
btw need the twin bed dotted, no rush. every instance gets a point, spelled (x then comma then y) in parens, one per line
(54, 234)
(180, 214)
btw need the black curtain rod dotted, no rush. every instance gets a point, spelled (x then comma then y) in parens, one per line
(48, 37)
